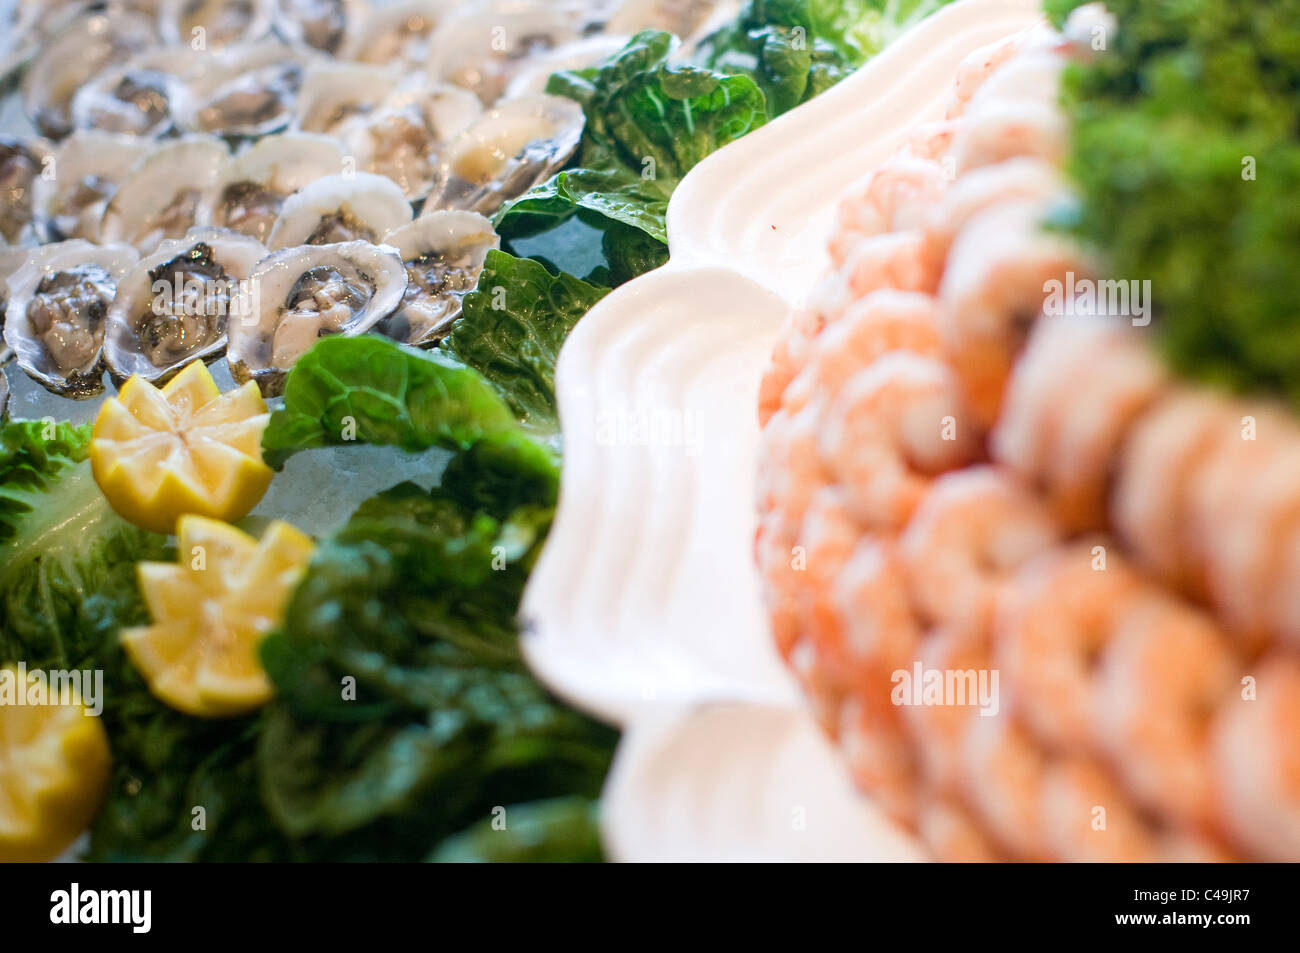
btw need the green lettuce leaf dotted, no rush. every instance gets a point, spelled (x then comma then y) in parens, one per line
(559, 830)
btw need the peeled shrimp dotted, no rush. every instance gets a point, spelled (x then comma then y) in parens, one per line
(973, 528)
(975, 68)
(1021, 178)
(898, 260)
(951, 835)
(1056, 615)
(896, 197)
(1256, 760)
(826, 541)
(932, 140)
(1003, 773)
(1087, 818)
(1074, 393)
(882, 322)
(992, 292)
(998, 130)
(790, 353)
(894, 426)
(795, 473)
(939, 731)
(877, 632)
(878, 756)
(1158, 682)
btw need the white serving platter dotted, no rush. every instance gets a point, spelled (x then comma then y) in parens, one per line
(645, 608)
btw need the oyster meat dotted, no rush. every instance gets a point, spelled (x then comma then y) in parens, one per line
(507, 151)
(254, 185)
(336, 97)
(21, 165)
(88, 167)
(247, 91)
(298, 295)
(139, 98)
(212, 24)
(346, 207)
(320, 24)
(58, 305)
(166, 194)
(397, 33)
(174, 306)
(443, 253)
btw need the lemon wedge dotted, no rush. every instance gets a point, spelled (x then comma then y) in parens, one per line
(187, 448)
(211, 610)
(54, 765)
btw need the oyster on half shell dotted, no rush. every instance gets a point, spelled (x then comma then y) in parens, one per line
(174, 306)
(89, 166)
(298, 295)
(340, 208)
(22, 163)
(166, 194)
(507, 151)
(443, 253)
(248, 90)
(57, 311)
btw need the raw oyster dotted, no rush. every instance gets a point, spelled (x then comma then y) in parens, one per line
(298, 295)
(443, 253)
(402, 137)
(87, 169)
(166, 194)
(142, 97)
(507, 151)
(82, 48)
(320, 24)
(254, 185)
(55, 320)
(174, 306)
(482, 47)
(397, 34)
(212, 25)
(688, 19)
(247, 91)
(531, 79)
(336, 97)
(340, 208)
(21, 164)
(11, 259)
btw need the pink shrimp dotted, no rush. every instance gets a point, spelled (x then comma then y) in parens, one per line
(1087, 818)
(876, 632)
(788, 357)
(932, 140)
(1149, 505)
(998, 130)
(938, 731)
(879, 759)
(882, 322)
(1255, 746)
(973, 528)
(975, 68)
(774, 554)
(894, 426)
(992, 292)
(1158, 682)
(892, 260)
(1070, 445)
(897, 196)
(825, 542)
(794, 471)
(1054, 618)
(951, 835)
(1002, 776)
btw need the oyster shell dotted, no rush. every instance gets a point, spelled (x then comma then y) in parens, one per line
(212, 25)
(298, 295)
(397, 34)
(531, 78)
(336, 97)
(22, 164)
(141, 97)
(401, 138)
(254, 185)
(4, 395)
(174, 306)
(507, 151)
(688, 19)
(82, 47)
(443, 253)
(88, 167)
(320, 24)
(247, 91)
(340, 208)
(55, 320)
(482, 47)
(11, 259)
(166, 194)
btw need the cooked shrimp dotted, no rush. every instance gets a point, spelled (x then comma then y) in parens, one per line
(878, 756)
(992, 292)
(1087, 818)
(951, 835)
(795, 471)
(1022, 178)
(975, 68)
(973, 528)
(1075, 391)
(892, 260)
(998, 130)
(894, 426)
(789, 355)
(1255, 748)
(877, 631)
(1003, 772)
(939, 731)
(1150, 503)
(933, 140)
(825, 542)
(774, 553)
(1032, 77)
(896, 197)
(1055, 617)
(882, 322)
(1244, 504)
(1159, 681)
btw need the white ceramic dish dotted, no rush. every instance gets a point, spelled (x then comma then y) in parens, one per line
(645, 607)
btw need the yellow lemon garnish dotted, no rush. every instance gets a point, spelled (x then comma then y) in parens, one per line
(187, 448)
(54, 764)
(211, 611)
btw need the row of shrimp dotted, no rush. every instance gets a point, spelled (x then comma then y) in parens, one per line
(953, 480)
